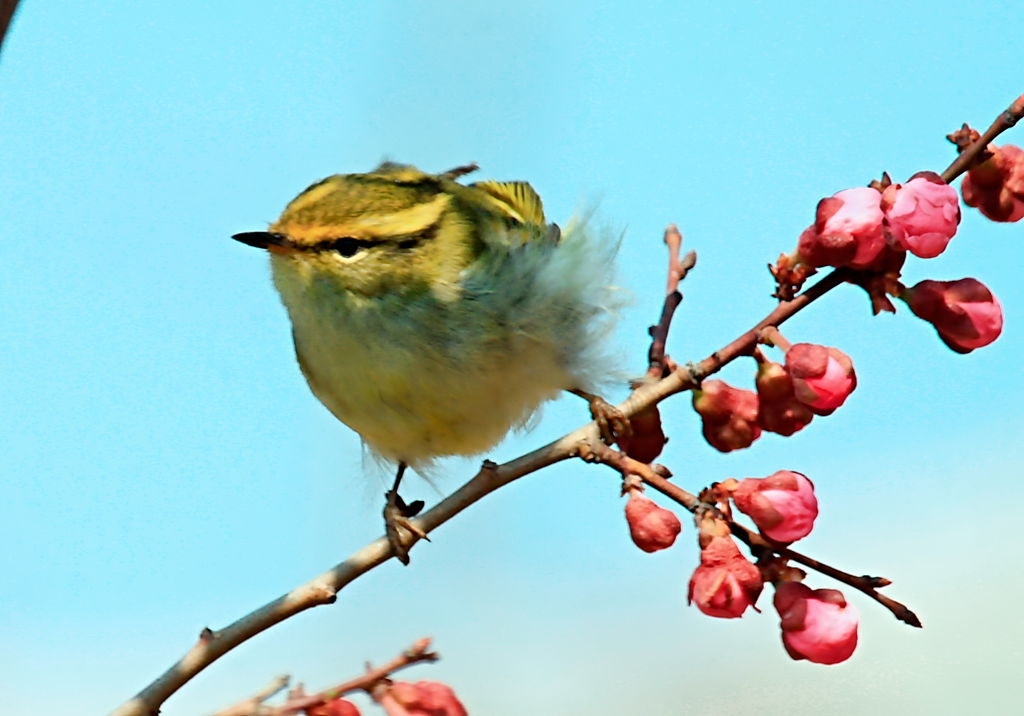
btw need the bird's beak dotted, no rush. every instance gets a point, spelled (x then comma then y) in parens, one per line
(275, 243)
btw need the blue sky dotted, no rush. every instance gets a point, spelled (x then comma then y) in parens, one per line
(165, 468)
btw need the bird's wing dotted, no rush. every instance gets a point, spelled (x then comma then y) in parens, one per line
(515, 198)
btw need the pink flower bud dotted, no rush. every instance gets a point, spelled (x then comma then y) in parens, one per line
(651, 527)
(922, 215)
(823, 377)
(334, 707)
(729, 415)
(647, 438)
(996, 186)
(848, 230)
(725, 583)
(783, 505)
(426, 698)
(965, 313)
(817, 625)
(778, 409)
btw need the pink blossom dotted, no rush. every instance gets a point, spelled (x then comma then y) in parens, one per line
(817, 625)
(823, 377)
(847, 231)
(783, 505)
(965, 313)
(651, 527)
(729, 415)
(996, 186)
(922, 215)
(424, 698)
(726, 582)
(334, 707)
(778, 409)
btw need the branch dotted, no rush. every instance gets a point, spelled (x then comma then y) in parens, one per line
(1009, 117)
(299, 701)
(625, 465)
(323, 589)
(867, 584)
(7, 10)
(677, 270)
(413, 655)
(249, 706)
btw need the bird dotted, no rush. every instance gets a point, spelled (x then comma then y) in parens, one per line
(432, 317)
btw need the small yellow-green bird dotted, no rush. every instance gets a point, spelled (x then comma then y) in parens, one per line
(431, 316)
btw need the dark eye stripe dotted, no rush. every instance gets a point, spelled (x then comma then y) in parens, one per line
(348, 246)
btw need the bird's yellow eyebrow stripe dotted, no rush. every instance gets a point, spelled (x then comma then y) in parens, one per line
(414, 220)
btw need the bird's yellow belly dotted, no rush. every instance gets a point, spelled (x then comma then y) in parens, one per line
(413, 404)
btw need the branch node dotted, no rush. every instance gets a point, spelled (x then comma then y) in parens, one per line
(661, 471)
(698, 372)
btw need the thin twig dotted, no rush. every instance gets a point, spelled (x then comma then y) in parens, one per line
(625, 466)
(1009, 117)
(249, 706)
(867, 584)
(300, 701)
(323, 589)
(677, 267)
(418, 652)
(677, 270)
(7, 10)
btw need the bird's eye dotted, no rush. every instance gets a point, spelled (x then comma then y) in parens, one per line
(346, 247)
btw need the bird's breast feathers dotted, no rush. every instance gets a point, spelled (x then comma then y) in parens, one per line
(424, 373)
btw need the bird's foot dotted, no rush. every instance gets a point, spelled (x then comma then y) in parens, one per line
(397, 516)
(611, 421)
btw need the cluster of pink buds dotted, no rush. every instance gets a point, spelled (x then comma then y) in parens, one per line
(817, 625)
(860, 227)
(815, 380)
(873, 228)
(870, 230)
